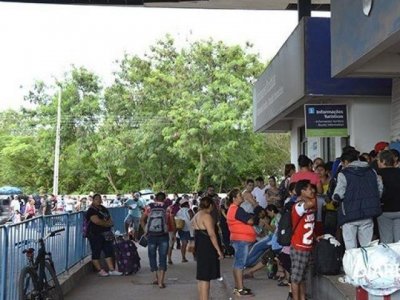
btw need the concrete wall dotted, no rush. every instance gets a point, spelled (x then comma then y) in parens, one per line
(359, 40)
(295, 140)
(369, 123)
(395, 111)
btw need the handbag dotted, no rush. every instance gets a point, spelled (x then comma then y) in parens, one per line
(179, 224)
(108, 235)
(143, 241)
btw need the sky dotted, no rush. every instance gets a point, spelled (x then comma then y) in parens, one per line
(41, 42)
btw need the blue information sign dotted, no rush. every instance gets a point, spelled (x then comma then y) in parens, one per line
(326, 120)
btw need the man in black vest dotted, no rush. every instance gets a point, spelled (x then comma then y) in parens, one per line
(358, 192)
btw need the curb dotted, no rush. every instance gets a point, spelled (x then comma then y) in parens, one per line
(70, 279)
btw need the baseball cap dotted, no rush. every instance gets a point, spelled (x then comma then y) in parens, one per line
(380, 146)
(183, 201)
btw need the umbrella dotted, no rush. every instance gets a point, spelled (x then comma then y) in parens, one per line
(8, 190)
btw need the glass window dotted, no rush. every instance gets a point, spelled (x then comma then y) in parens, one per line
(328, 149)
(303, 140)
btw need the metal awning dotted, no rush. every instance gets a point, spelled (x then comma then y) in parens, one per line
(319, 5)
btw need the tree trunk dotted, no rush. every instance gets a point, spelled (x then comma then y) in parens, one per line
(201, 172)
(221, 185)
(110, 180)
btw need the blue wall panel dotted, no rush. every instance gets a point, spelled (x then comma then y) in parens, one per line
(318, 67)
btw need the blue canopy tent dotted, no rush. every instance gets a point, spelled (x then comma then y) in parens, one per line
(10, 190)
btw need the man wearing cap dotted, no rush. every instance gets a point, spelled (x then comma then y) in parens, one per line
(185, 214)
(135, 206)
(379, 147)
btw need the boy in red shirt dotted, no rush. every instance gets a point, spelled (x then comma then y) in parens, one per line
(303, 221)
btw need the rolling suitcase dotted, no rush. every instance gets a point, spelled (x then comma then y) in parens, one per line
(126, 256)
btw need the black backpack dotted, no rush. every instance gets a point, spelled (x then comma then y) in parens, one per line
(283, 189)
(327, 258)
(285, 229)
(333, 183)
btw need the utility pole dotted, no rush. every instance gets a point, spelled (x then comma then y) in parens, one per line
(57, 146)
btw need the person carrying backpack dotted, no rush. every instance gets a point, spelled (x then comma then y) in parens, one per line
(154, 223)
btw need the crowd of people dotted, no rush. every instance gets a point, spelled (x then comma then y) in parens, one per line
(24, 207)
(353, 199)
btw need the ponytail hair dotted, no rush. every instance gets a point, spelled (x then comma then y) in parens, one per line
(206, 202)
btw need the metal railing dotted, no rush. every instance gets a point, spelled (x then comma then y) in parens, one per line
(67, 250)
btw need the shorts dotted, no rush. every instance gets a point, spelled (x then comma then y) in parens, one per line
(267, 256)
(184, 235)
(300, 261)
(241, 252)
(98, 244)
(284, 260)
(132, 221)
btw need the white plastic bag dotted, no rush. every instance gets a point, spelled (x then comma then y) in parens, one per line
(375, 268)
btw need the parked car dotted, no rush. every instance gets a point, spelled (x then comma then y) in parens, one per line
(5, 210)
(146, 195)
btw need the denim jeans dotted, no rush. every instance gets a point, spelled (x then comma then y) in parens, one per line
(241, 253)
(258, 250)
(160, 244)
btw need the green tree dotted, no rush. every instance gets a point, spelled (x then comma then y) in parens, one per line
(174, 120)
(192, 114)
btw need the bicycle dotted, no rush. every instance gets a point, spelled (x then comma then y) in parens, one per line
(38, 279)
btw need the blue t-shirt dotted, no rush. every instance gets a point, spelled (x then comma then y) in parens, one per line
(137, 207)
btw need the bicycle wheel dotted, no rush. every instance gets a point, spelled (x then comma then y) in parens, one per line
(52, 288)
(28, 283)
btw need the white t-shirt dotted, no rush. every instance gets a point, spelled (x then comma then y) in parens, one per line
(69, 204)
(15, 205)
(259, 194)
(183, 213)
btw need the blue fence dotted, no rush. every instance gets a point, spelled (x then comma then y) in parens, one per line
(67, 249)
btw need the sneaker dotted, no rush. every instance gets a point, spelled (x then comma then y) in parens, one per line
(243, 292)
(103, 273)
(114, 273)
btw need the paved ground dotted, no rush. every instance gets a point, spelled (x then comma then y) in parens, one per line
(181, 284)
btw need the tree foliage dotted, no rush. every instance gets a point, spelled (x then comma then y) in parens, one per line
(174, 120)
